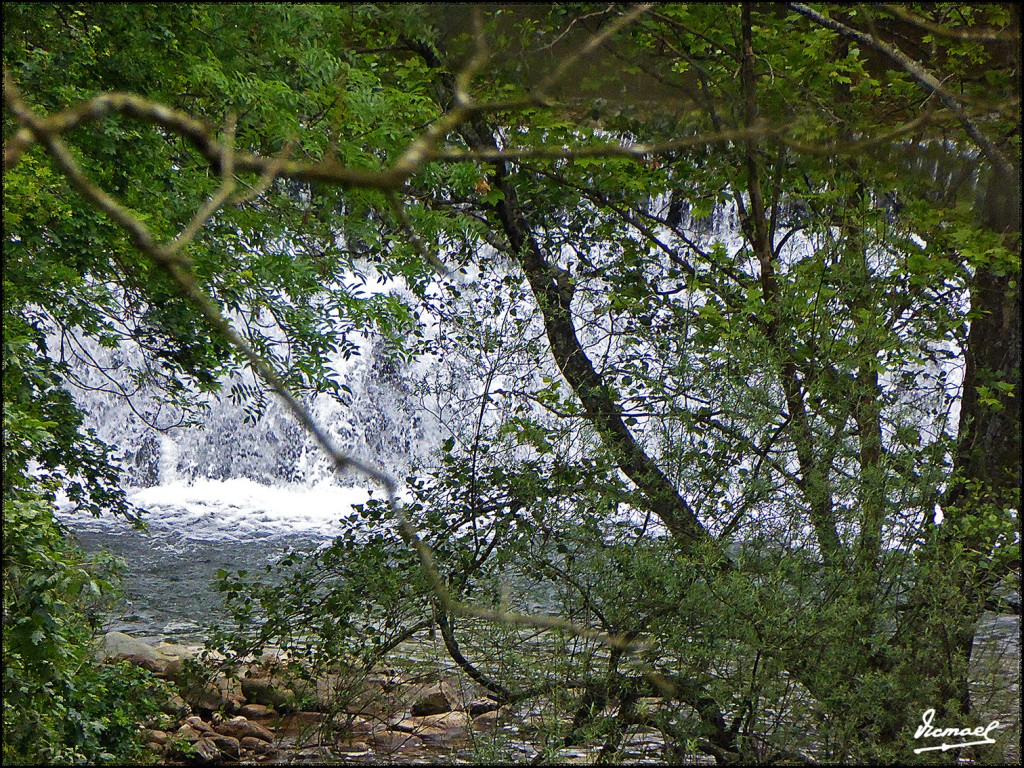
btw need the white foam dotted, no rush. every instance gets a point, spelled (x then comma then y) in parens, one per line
(238, 509)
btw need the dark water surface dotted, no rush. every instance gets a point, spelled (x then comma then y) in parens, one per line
(169, 582)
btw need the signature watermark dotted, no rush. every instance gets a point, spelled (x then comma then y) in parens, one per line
(926, 731)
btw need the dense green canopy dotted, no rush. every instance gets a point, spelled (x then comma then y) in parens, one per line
(732, 290)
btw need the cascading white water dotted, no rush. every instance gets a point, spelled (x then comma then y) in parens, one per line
(231, 492)
(230, 475)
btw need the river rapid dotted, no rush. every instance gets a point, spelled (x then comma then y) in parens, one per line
(192, 532)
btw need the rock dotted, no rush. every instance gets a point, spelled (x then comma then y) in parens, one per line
(268, 692)
(486, 721)
(255, 711)
(203, 695)
(178, 749)
(206, 750)
(224, 692)
(416, 728)
(307, 719)
(480, 706)
(173, 668)
(443, 727)
(362, 725)
(392, 741)
(228, 746)
(276, 687)
(117, 646)
(447, 720)
(176, 650)
(188, 733)
(259, 746)
(329, 691)
(368, 697)
(197, 723)
(433, 702)
(176, 707)
(155, 665)
(350, 692)
(317, 754)
(157, 737)
(437, 728)
(359, 747)
(239, 728)
(154, 746)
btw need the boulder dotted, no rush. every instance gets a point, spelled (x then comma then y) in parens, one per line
(259, 746)
(197, 723)
(444, 721)
(251, 711)
(414, 726)
(228, 745)
(362, 725)
(188, 733)
(367, 698)
(222, 693)
(206, 750)
(176, 707)
(359, 747)
(486, 721)
(176, 650)
(239, 728)
(269, 692)
(453, 719)
(172, 669)
(155, 665)
(154, 736)
(331, 690)
(433, 701)
(480, 706)
(305, 719)
(435, 728)
(117, 646)
(392, 741)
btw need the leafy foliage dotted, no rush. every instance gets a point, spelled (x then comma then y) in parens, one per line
(60, 705)
(730, 446)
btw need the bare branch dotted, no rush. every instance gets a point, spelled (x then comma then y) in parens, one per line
(218, 199)
(198, 133)
(922, 76)
(978, 35)
(569, 61)
(418, 151)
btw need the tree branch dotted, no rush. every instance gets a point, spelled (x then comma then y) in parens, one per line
(921, 75)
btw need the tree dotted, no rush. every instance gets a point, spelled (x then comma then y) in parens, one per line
(774, 411)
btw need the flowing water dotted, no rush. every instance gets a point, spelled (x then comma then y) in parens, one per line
(194, 531)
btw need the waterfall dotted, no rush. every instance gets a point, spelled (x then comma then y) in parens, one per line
(217, 472)
(221, 490)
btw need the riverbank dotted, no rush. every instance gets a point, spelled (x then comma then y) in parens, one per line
(261, 712)
(267, 711)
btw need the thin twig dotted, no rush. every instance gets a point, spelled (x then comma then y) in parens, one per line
(922, 76)
(978, 35)
(227, 186)
(569, 61)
